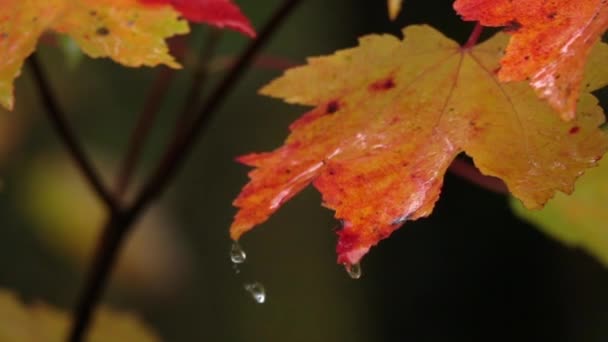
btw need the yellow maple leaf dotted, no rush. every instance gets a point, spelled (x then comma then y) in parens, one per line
(124, 30)
(389, 118)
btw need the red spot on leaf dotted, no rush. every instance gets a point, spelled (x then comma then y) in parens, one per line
(574, 130)
(332, 107)
(382, 85)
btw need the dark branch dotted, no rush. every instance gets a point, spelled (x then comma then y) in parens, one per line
(181, 146)
(68, 138)
(119, 224)
(201, 71)
(142, 129)
(146, 118)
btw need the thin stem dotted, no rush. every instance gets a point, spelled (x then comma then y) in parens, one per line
(270, 62)
(182, 145)
(469, 172)
(201, 72)
(120, 222)
(146, 118)
(142, 128)
(474, 37)
(68, 138)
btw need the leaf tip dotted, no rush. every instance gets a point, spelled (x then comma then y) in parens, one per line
(394, 7)
(350, 248)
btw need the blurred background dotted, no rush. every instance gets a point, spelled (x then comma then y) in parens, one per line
(470, 272)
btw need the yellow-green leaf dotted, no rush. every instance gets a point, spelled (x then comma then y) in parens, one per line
(126, 31)
(578, 220)
(154, 260)
(39, 322)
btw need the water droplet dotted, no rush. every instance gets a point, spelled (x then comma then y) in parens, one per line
(236, 268)
(257, 291)
(237, 254)
(354, 270)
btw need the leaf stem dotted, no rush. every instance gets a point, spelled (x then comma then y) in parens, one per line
(469, 172)
(120, 222)
(474, 37)
(66, 134)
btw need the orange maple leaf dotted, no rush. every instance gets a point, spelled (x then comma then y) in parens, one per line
(37, 321)
(550, 44)
(389, 118)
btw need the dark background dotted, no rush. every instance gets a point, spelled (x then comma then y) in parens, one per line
(470, 272)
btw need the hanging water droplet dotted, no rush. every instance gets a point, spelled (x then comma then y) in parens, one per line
(354, 270)
(237, 254)
(257, 291)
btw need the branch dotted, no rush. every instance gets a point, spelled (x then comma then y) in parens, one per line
(142, 129)
(181, 146)
(68, 138)
(201, 71)
(146, 118)
(120, 222)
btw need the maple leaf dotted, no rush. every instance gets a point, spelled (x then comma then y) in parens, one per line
(40, 322)
(394, 7)
(124, 30)
(390, 117)
(578, 220)
(550, 44)
(220, 13)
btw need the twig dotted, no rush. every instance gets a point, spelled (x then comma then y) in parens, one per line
(469, 172)
(146, 118)
(118, 225)
(182, 145)
(201, 71)
(142, 129)
(68, 138)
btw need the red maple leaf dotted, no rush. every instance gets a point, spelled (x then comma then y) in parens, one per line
(550, 44)
(220, 13)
